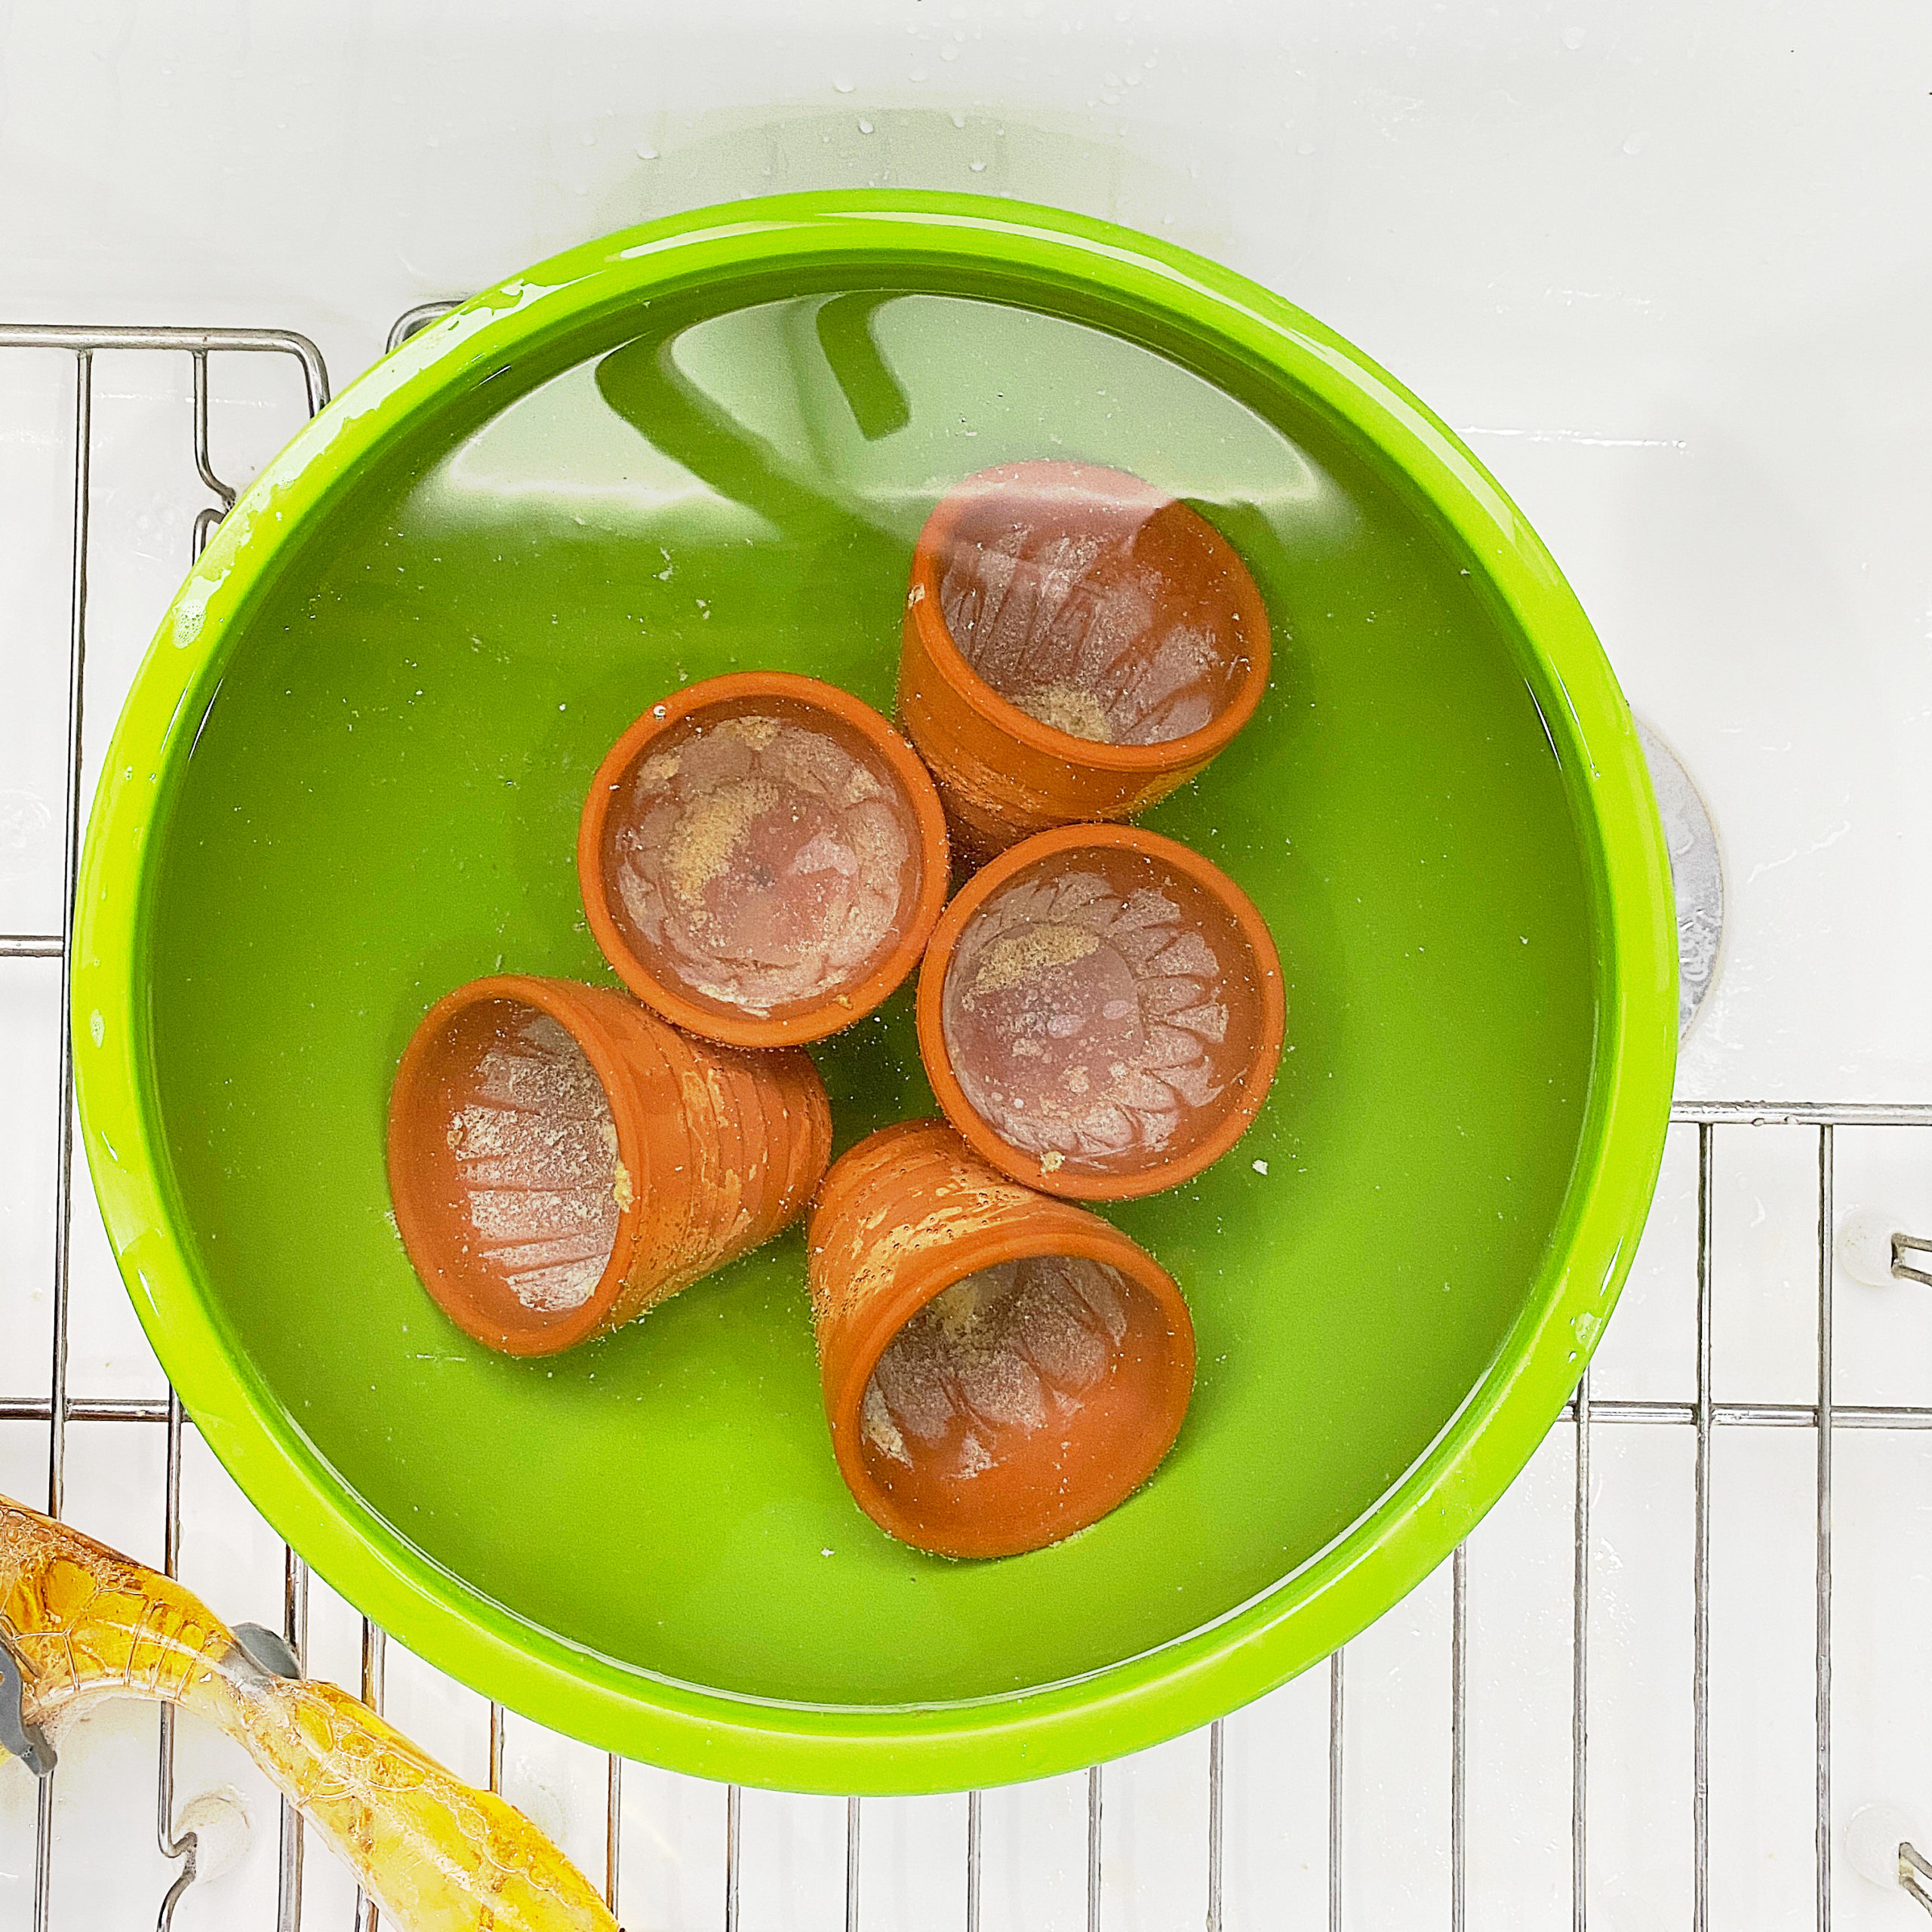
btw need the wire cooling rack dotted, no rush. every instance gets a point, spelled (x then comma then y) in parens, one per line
(41, 1394)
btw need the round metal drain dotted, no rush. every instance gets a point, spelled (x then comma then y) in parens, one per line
(1696, 874)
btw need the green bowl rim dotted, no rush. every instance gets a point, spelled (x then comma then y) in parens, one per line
(1252, 342)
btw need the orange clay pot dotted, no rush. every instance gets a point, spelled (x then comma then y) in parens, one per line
(710, 1151)
(1049, 985)
(904, 1217)
(661, 976)
(1005, 774)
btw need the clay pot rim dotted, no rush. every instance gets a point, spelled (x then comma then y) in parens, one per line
(816, 1023)
(542, 1337)
(951, 1097)
(1145, 760)
(1096, 1240)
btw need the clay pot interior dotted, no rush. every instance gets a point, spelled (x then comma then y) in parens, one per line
(1101, 607)
(1020, 1403)
(763, 863)
(1101, 1012)
(508, 1181)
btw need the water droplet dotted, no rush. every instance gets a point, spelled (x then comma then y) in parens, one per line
(865, 127)
(977, 167)
(1636, 144)
(959, 120)
(647, 152)
(1573, 37)
(842, 84)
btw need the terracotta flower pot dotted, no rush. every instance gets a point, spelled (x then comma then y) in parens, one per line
(1076, 644)
(762, 858)
(999, 1369)
(1100, 1012)
(560, 1159)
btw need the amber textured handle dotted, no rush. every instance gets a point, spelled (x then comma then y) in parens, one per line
(81, 1623)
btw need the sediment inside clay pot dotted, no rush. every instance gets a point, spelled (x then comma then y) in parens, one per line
(992, 1364)
(1019, 1405)
(763, 859)
(527, 1187)
(1098, 1012)
(1095, 603)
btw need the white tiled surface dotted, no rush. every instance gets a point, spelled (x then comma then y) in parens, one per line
(1668, 269)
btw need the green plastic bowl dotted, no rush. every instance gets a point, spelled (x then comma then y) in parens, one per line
(348, 778)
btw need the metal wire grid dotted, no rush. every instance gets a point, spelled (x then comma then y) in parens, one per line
(1583, 1414)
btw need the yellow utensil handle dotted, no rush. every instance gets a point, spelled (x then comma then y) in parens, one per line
(83, 1623)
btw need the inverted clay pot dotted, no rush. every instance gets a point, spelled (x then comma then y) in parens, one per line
(1076, 644)
(1000, 1369)
(1101, 1012)
(560, 1159)
(762, 858)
